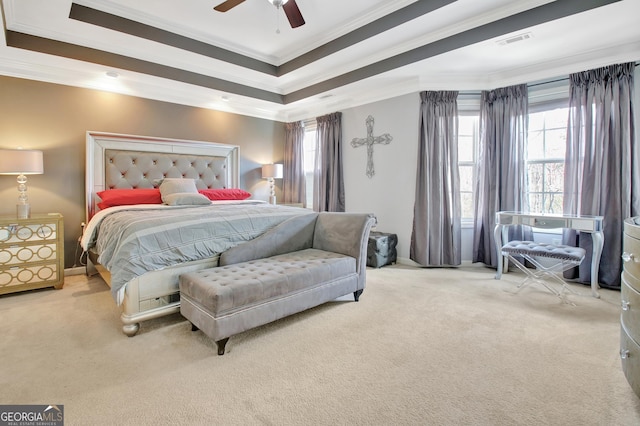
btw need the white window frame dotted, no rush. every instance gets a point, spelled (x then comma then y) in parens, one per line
(546, 96)
(310, 127)
(469, 105)
(467, 222)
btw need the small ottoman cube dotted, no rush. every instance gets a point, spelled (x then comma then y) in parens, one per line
(381, 249)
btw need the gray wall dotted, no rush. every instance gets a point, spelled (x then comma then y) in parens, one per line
(55, 118)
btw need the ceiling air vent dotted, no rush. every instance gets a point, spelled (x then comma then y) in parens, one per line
(515, 39)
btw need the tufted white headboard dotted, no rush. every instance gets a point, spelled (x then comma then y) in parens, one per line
(127, 161)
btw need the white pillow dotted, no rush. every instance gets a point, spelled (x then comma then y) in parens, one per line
(177, 186)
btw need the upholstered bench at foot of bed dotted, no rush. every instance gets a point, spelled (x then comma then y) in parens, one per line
(228, 300)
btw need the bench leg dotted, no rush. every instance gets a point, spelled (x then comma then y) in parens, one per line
(356, 294)
(221, 344)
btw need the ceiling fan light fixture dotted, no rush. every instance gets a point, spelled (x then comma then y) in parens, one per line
(278, 3)
(290, 8)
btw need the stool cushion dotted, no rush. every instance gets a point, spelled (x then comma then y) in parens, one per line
(560, 252)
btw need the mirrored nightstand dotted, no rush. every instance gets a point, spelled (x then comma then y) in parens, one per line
(31, 252)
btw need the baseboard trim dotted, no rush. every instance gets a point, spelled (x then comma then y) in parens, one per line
(79, 270)
(408, 262)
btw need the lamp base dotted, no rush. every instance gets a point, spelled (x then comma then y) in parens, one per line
(23, 211)
(272, 199)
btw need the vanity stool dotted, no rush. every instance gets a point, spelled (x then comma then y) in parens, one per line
(563, 257)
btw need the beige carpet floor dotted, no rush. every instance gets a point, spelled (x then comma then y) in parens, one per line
(422, 347)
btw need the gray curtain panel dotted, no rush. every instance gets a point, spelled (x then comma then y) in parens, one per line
(328, 185)
(601, 175)
(502, 176)
(293, 182)
(435, 238)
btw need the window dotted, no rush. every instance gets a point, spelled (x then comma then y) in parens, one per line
(545, 155)
(309, 159)
(546, 150)
(467, 153)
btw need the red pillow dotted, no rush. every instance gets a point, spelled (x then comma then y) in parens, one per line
(225, 194)
(127, 197)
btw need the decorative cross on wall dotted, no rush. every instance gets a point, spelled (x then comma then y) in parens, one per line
(385, 139)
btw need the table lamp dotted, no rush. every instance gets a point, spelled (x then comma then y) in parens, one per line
(272, 172)
(21, 162)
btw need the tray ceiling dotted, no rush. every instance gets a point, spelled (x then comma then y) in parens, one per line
(348, 53)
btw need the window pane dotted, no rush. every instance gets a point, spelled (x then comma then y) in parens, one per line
(309, 150)
(466, 124)
(557, 118)
(556, 143)
(535, 145)
(554, 177)
(535, 202)
(536, 121)
(535, 177)
(466, 205)
(465, 148)
(466, 178)
(554, 203)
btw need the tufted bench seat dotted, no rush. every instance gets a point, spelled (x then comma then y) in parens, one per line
(566, 257)
(247, 291)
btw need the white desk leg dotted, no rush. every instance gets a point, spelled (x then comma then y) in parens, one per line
(598, 243)
(505, 237)
(497, 237)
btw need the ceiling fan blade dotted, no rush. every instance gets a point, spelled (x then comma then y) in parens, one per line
(293, 14)
(226, 5)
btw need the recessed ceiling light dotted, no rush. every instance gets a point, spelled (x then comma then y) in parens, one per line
(225, 98)
(112, 74)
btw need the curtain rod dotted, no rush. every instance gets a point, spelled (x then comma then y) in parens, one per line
(559, 79)
(539, 83)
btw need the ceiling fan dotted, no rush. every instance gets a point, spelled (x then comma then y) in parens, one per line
(289, 6)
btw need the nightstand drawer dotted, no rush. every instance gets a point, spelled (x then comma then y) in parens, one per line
(45, 275)
(630, 359)
(631, 257)
(19, 254)
(630, 307)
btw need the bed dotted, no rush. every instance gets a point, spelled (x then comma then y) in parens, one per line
(144, 289)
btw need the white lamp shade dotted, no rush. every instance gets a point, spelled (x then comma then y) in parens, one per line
(272, 171)
(21, 161)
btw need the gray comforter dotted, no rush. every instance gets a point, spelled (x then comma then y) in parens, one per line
(132, 242)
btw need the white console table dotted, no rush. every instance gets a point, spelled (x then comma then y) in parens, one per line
(588, 224)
